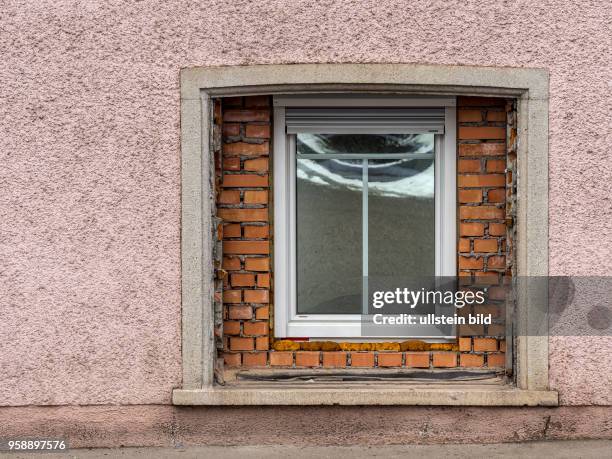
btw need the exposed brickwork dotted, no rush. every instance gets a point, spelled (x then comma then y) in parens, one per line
(243, 177)
(481, 185)
(242, 204)
(482, 193)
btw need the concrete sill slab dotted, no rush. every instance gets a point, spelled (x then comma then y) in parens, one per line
(351, 394)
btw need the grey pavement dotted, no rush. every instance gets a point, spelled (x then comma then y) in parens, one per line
(541, 449)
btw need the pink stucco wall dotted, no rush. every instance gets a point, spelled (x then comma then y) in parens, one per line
(89, 176)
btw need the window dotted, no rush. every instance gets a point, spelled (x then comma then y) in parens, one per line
(364, 195)
(200, 84)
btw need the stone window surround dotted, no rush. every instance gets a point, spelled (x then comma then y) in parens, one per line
(199, 85)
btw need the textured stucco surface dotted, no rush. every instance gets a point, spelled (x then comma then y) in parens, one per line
(89, 145)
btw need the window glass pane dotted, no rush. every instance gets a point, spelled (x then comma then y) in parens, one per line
(328, 226)
(364, 143)
(401, 223)
(329, 222)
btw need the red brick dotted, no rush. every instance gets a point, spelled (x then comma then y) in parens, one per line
(471, 360)
(496, 360)
(243, 215)
(258, 131)
(219, 231)
(229, 197)
(262, 343)
(257, 264)
(485, 344)
(255, 328)
(470, 195)
(231, 164)
(465, 344)
(481, 212)
(469, 116)
(242, 280)
(230, 130)
(255, 197)
(263, 280)
(256, 296)
(334, 359)
(258, 164)
(471, 262)
(262, 312)
(254, 359)
(487, 277)
(390, 359)
(464, 245)
(471, 330)
(232, 296)
(231, 360)
(246, 115)
(497, 229)
(496, 262)
(417, 359)
(481, 180)
(231, 263)
(241, 311)
(496, 165)
(492, 309)
(496, 195)
(257, 101)
(231, 328)
(362, 359)
(471, 229)
(246, 247)
(497, 293)
(241, 344)
(232, 230)
(246, 149)
(496, 116)
(482, 149)
(485, 245)
(256, 232)
(468, 165)
(444, 359)
(307, 359)
(481, 133)
(244, 181)
(281, 359)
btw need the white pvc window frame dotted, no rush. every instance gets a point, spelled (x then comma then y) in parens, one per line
(287, 322)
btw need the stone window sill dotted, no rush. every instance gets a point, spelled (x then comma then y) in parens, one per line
(367, 394)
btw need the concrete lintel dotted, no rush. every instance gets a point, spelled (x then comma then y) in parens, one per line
(379, 395)
(424, 78)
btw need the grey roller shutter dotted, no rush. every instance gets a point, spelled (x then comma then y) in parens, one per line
(365, 120)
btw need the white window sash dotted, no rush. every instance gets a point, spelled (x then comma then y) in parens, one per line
(287, 322)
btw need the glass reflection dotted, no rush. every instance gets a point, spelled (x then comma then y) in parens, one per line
(364, 143)
(400, 216)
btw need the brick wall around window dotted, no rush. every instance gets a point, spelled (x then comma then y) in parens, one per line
(243, 205)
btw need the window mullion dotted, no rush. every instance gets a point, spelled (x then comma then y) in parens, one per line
(364, 238)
